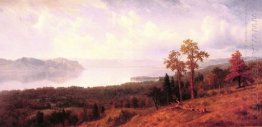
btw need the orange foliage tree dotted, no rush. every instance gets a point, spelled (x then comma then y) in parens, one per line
(174, 63)
(194, 55)
(210, 78)
(239, 71)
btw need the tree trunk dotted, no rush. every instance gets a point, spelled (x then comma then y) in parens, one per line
(192, 83)
(167, 97)
(179, 86)
(239, 81)
(155, 102)
(219, 88)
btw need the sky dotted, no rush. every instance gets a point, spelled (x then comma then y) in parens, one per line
(127, 29)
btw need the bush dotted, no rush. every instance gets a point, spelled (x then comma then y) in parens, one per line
(123, 117)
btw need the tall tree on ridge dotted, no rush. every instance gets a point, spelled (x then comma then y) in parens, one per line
(174, 63)
(194, 55)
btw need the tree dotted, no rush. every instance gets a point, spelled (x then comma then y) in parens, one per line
(73, 119)
(174, 89)
(219, 76)
(239, 71)
(127, 103)
(167, 89)
(59, 116)
(102, 109)
(199, 77)
(155, 94)
(95, 111)
(39, 118)
(174, 63)
(194, 55)
(85, 115)
(135, 102)
(209, 78)
(256, 68)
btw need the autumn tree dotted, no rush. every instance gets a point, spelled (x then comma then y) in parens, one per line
(194, 55)
(210, 79)
(174, 63)
(239, 71)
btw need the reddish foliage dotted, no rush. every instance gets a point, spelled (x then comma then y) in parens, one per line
(239, 71)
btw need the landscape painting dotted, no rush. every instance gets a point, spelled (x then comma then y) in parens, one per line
(130, 63)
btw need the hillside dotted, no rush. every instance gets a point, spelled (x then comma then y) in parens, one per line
(233, 107)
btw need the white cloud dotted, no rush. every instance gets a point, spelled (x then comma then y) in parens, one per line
(125, 30)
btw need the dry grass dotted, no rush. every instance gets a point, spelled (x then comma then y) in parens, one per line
(236, 107)
(232, 107)
(116, 117)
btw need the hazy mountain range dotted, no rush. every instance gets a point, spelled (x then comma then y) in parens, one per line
(148, 62)
(32, 69)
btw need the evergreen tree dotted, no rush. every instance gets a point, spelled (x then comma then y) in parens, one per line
(174, 63)
(219, 75)
(95, 111)
(102, 109)
(85, 115)
(39, 118)
(172, 85)
(73, 119)
(167, 89)
(135, 102)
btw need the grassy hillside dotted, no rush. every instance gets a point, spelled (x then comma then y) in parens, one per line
(117, 117)
(232, 107)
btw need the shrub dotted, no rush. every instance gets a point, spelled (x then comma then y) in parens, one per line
(123, 117)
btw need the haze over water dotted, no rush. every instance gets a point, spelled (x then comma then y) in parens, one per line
(95, 76)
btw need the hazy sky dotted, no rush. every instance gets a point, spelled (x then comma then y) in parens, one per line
(125, 29)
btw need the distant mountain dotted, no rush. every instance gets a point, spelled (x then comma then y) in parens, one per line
(223, 63)
(122, 63)
(210, 62)
(143, 79)
(152, 63)
(31, 69)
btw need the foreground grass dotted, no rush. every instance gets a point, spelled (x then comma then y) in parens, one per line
(117, 117)
(232, 107)
(235, 107)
